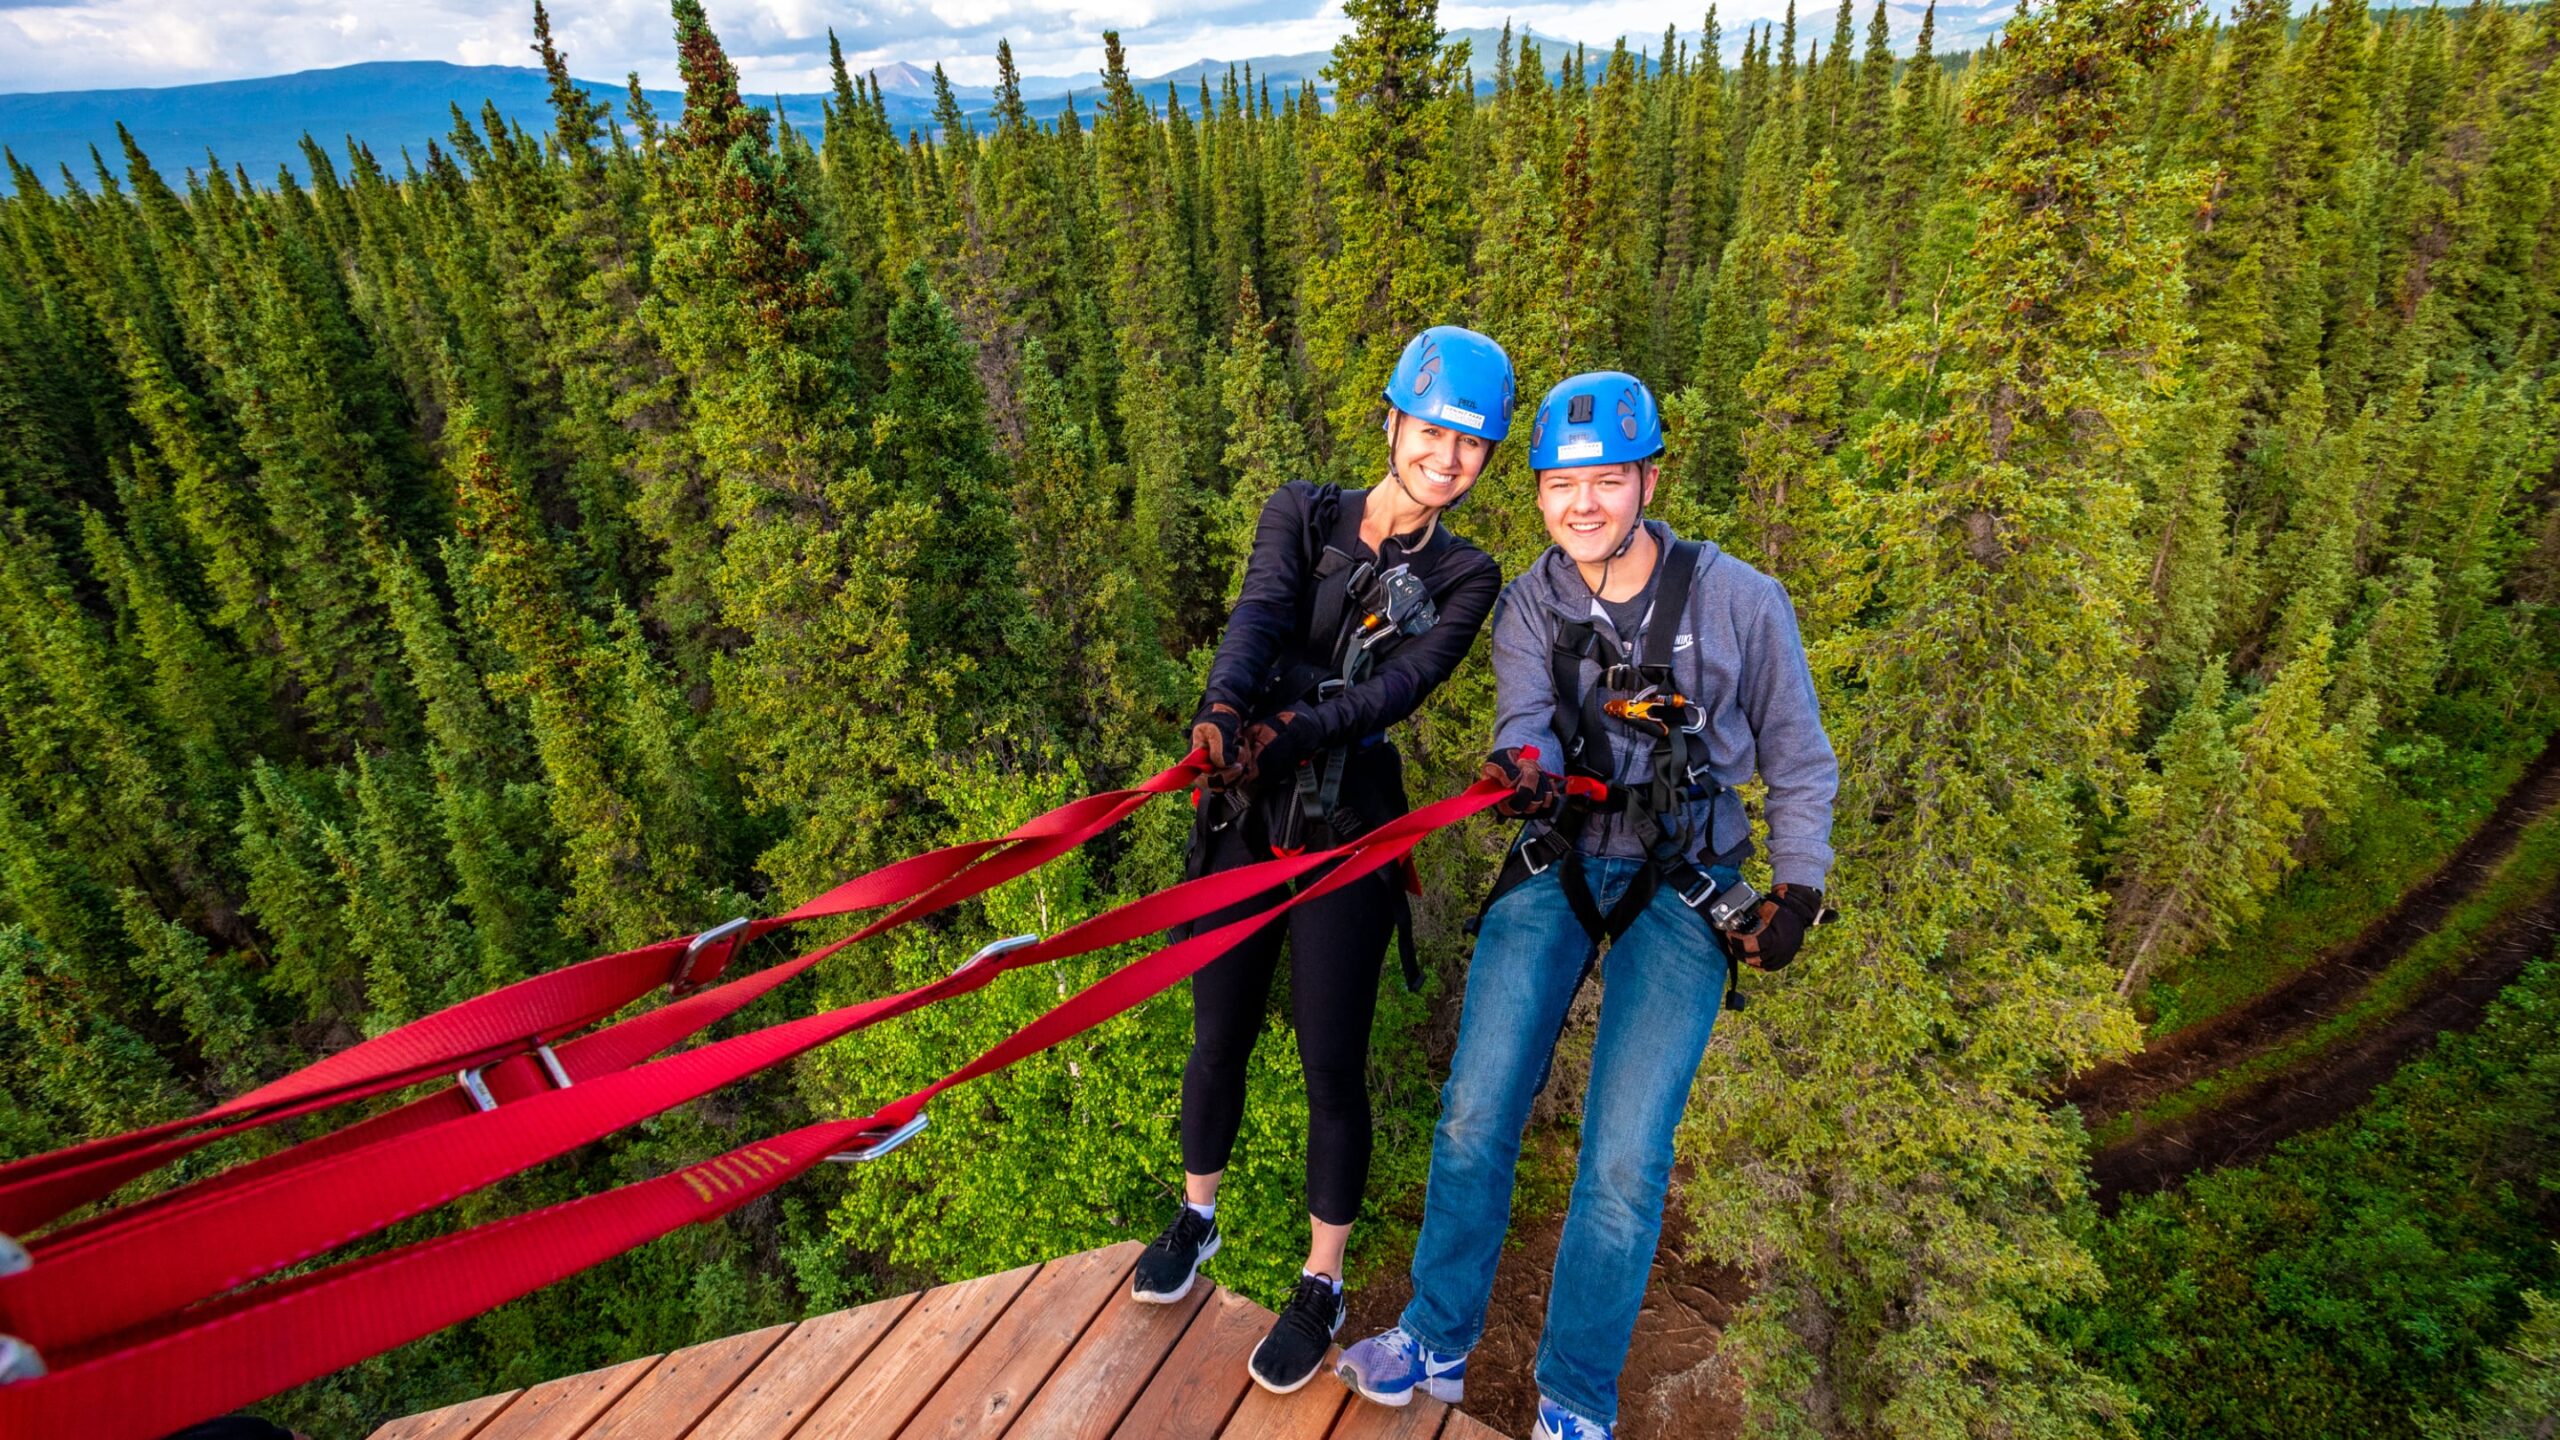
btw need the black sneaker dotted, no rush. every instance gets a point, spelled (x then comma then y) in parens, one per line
(1173, 1259)
(1294, 1350)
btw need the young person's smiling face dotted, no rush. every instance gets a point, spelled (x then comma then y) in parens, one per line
(1438, 465)
(1589, 509)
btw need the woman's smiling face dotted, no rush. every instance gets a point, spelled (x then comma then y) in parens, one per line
(1436, 463)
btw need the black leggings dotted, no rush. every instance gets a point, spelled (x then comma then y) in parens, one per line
(1337, 946)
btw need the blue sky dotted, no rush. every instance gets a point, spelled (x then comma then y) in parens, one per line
(780, 45)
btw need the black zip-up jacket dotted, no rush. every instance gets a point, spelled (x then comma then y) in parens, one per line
(1269, 628)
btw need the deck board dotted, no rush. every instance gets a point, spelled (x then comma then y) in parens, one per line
(1306, 1415)
(987, 1390)
(803, 1370)
(908, 1364)
(681, 1388)
(1420, 1420)
(562, 1409)
(1104, 1375)
(1203, 1379)
(453, 1422)
(1055, 1351)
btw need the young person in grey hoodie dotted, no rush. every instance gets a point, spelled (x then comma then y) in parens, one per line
(1641, 677)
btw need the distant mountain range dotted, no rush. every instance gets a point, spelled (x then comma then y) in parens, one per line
(400, 105)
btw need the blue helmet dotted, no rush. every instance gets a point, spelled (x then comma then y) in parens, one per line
(1599, 417)
(1450, 375)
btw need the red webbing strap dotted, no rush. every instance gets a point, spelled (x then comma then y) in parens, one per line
(94, 1286)
(488, 1028)
(586, 1058)
(253, 1344)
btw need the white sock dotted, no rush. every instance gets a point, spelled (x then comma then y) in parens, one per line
(1205, 1212)
(1333, 1281)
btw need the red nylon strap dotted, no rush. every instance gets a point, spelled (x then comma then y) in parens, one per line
(255, 1343)
(584, 1059)
(491, 1027)
(98, 1283)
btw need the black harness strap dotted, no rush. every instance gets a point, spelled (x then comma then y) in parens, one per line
(1677, 777)
(1362, 614)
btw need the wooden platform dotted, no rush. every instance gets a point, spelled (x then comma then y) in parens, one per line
(1047, 1352)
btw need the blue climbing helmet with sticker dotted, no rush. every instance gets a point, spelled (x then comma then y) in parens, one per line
(1450, 375)
(1599, 417)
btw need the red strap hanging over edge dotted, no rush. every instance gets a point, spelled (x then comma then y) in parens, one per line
(492, 1027)
(254, 1344)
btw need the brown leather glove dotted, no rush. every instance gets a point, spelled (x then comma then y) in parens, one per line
(1214, 731)
(1275, 746)
(1535, 794)
(1776, 928)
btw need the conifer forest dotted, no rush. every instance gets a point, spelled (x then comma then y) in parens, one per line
(425, 570)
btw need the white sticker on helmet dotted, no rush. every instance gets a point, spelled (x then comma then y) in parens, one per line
(1460, 416)
(1581, 450)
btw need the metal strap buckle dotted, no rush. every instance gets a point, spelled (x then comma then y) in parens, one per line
(476, 1085)
(994, 948)
(724, 937)
(19, 1361)
(873, 1149)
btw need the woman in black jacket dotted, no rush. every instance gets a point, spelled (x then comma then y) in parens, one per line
(1355, 605)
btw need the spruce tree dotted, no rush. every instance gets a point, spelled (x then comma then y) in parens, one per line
(1973, 743)
(1798, 398)
(1392, 266)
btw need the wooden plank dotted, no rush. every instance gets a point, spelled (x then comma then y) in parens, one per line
(1098, 1381)
(1463, 1426)
(1307, 1415)
(1200, 1382)
(982, 1397)
(667, 1400)
(907, 1366)
(561, 1409)
(453, 1422)
(1418, 1421)
(801, 1373)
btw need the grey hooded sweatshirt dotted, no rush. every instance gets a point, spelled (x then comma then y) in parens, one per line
(1737, 655)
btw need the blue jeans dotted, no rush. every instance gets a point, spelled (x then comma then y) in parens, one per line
(1665, 983)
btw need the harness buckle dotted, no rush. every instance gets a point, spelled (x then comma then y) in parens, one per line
(19, 1361)
(1529, 853)
(873, 1149)
(725, 937)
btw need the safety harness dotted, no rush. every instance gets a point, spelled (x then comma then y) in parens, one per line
(1359, 613)
(1637, 690)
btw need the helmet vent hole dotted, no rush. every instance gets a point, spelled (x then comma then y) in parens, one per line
(1577, 411)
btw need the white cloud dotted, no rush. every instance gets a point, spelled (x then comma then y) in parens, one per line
(779, 44)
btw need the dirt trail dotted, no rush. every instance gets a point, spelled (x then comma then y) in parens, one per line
(2249, 1122)
(1675, 1386)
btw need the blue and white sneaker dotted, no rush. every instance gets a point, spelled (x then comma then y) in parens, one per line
(1389, 1368)
(1557, 1423)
